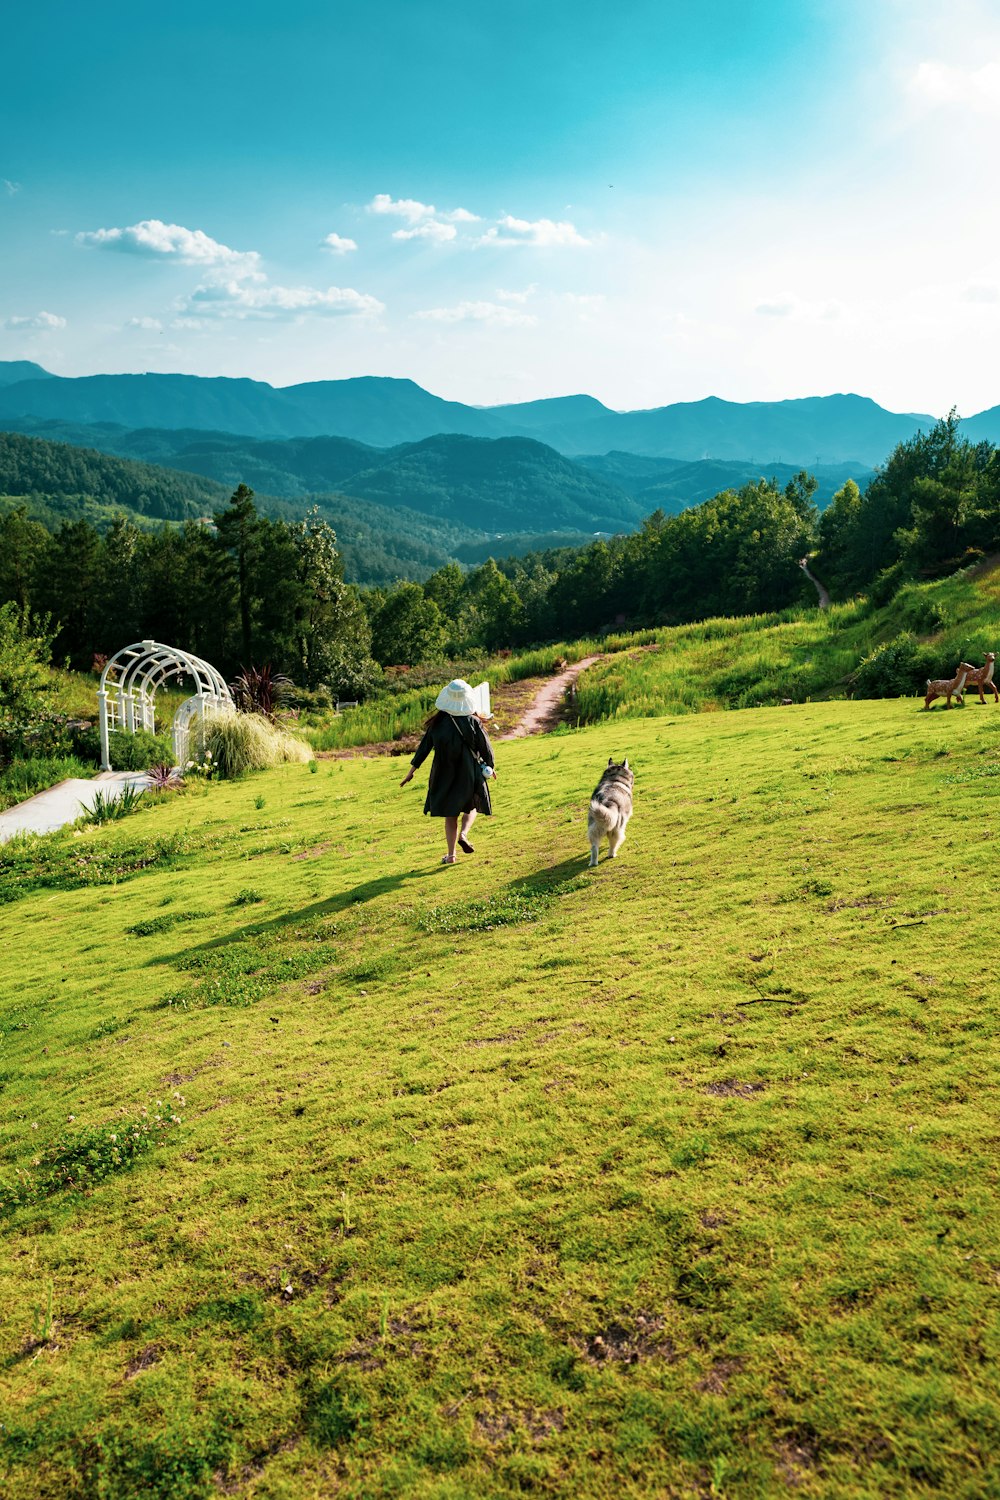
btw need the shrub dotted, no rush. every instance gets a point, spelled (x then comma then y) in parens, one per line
(240, 743)
(897, 669)
(263, 691)
(109, 809)
(23, 778)
(134, 752)
(25, 643)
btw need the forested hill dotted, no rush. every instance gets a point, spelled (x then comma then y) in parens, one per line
(386, 412)
(509, 484)
(70, 482)
(502, 485)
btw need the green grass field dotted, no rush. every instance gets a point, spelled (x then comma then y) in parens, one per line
(674, 1178)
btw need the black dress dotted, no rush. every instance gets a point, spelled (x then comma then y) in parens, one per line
(454, 786)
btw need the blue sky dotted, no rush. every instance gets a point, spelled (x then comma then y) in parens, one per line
(650, 202)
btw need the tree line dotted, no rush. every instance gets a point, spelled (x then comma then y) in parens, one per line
(249, 588)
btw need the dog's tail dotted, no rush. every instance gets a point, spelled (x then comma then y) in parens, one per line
(603, 816)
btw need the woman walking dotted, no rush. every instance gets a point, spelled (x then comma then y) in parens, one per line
(459, 784)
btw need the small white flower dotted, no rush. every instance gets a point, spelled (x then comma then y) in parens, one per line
(71, 1118)
(114, 1137)
(34, 1124)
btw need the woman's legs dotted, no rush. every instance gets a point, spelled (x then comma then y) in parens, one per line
(451, 836)
(467, 821)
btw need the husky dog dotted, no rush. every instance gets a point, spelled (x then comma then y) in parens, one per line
(610, 809)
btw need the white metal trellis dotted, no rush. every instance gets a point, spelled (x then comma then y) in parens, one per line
(128, 687)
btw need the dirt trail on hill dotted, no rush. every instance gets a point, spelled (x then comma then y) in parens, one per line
(543, 713)
(821, 589)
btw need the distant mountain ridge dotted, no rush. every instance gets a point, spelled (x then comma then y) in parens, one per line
(384, 412)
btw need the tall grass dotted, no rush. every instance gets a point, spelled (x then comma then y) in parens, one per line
(241, 743)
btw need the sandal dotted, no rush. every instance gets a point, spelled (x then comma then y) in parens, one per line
(448, 859)
(463, 843)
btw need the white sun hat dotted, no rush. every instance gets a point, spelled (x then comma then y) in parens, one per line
(457, 698)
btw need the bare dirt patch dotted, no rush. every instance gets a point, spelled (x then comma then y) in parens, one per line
(497, 1424)
(796, 1459)
(627, 1344)
(733, 1088)
(314, 852)
(144, 1360)
(492, 1041)
(716, 1380)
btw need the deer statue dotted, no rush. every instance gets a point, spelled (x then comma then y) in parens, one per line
(980, 677)
(947, 687)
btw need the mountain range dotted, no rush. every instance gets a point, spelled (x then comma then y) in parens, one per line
(384, 413)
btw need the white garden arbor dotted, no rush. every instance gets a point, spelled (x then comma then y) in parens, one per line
(128, 687)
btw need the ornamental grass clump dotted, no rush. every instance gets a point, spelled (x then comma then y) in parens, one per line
(241, 743)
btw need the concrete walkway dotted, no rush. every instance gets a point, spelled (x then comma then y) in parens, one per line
(64, 803)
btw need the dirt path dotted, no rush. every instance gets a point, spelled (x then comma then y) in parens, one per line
(824, 597)
(543, 713)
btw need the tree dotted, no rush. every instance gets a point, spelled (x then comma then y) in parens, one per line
(22, 546)
(25, 643)
(238, 529)
(408, 628)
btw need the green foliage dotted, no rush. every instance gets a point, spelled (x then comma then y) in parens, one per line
(24, 778)
(407, 627)
(930, 509)
(31, 466)
(108, 807)
(138, 751)
(25, 643)
(897, 669)
(78, 1160)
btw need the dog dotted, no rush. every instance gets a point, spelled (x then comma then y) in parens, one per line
(610, 809)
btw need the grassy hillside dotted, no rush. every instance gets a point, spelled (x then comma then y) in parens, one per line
(672, 1178)
(798, 654)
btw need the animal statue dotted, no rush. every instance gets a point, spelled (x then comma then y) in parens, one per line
(980, 677)
(610, 809)
(946, 687)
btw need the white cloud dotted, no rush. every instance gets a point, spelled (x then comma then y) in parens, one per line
(981, 291)
(240, 299)
(790, 306)
(479, 312)
(40, 322)
(404, 208)
(973, 89)
(150, 325)
(339, 244)
(432, 229)
(542, 232)
(155, 240)
(521, 297)
(585, 302)
(781, 309)
(10, 187)
(426, 222)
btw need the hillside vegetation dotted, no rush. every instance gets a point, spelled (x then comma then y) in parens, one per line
(855, 648)
(331, 1170)
(66, 483)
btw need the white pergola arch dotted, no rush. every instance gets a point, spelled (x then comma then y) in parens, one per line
(128, 687)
